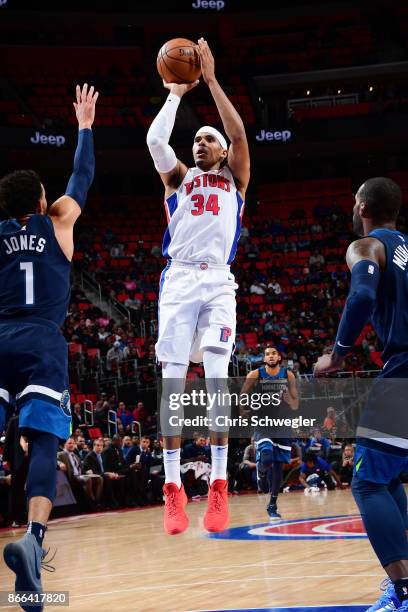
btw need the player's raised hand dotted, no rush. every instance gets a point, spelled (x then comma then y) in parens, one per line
(179, 89)
(207, 61)
(85, 105)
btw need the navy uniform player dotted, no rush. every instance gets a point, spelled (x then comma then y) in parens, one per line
(379, 290)
(273, 444)
(36, 249)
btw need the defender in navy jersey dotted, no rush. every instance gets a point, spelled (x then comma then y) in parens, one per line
(379, 291)
(36, 249)
(273, 444)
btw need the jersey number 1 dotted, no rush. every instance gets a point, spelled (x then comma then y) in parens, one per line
(211, 205)
(27, 268)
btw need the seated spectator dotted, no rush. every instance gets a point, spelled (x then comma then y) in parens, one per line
(81, 447)
(319, 444)
(114, 461)
(93, 464)
(247, 477)
(195, 467)
(316, 258)
(140, 459)
(275, 286)
(88, 490)
(197, 450)
(346, 466)
(126, 445)
(315, 472)
(257, 288)
(129, 283)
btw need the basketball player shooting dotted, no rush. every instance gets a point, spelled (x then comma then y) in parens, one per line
(197, 319)
(36, 249)
(379, 291)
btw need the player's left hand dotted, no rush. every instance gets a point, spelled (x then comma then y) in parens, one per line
(327, 363)
(286, 396)
(207, 61)
(85, 106)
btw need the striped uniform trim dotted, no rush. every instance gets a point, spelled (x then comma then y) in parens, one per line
(281, 446)
(5, 395)
(41, 390)
(383, 438)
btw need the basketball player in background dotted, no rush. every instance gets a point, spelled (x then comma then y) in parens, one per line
(379, 291)
(197, 320)
(273, 444)
(36, 249)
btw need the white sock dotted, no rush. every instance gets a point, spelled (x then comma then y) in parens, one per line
(219, 457)
(172, 465)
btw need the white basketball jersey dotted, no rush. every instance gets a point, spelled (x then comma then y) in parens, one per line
(204, 218)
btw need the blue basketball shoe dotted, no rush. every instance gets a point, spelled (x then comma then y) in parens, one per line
(26, 558)
(273, 513)
(388, 600)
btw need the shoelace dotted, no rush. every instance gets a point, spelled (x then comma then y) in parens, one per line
(216, 502)
(171, 504)
(45, 563)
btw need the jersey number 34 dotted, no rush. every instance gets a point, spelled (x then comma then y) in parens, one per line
(211, 205)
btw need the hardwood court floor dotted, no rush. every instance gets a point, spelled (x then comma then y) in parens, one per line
(124, 562)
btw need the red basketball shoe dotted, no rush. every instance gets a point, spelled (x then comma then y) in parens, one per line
(175, 519)
(217, 516)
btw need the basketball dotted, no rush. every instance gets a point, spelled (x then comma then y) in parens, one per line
(178, 61)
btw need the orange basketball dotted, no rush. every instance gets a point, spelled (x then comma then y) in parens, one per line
(178, 61)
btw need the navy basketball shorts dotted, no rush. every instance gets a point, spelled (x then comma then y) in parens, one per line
(34, 376)
(382, 435)
(280, 447)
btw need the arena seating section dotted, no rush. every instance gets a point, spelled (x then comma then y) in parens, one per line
(131, 89)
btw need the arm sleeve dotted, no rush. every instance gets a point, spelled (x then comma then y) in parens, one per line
(84, 168)
(365, 277)
(159, 134)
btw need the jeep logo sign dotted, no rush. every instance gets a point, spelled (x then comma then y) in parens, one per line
(283, 136)
(55, 141)
(209, 4)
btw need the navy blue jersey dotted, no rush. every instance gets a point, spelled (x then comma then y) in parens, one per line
(34, 272)
(390, 315)
(272, 385)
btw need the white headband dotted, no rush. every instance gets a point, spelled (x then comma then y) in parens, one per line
(210, 130)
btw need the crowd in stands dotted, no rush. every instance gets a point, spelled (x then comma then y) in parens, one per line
(292, 279)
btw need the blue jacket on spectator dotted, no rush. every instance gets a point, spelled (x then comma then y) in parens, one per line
(193, 450)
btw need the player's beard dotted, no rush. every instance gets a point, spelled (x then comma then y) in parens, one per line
(358, 226)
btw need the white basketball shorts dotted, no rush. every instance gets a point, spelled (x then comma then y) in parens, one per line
(196, 311)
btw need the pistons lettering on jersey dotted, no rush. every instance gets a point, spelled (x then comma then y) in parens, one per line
(208, 180)
(225, 334)
(24, 242)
